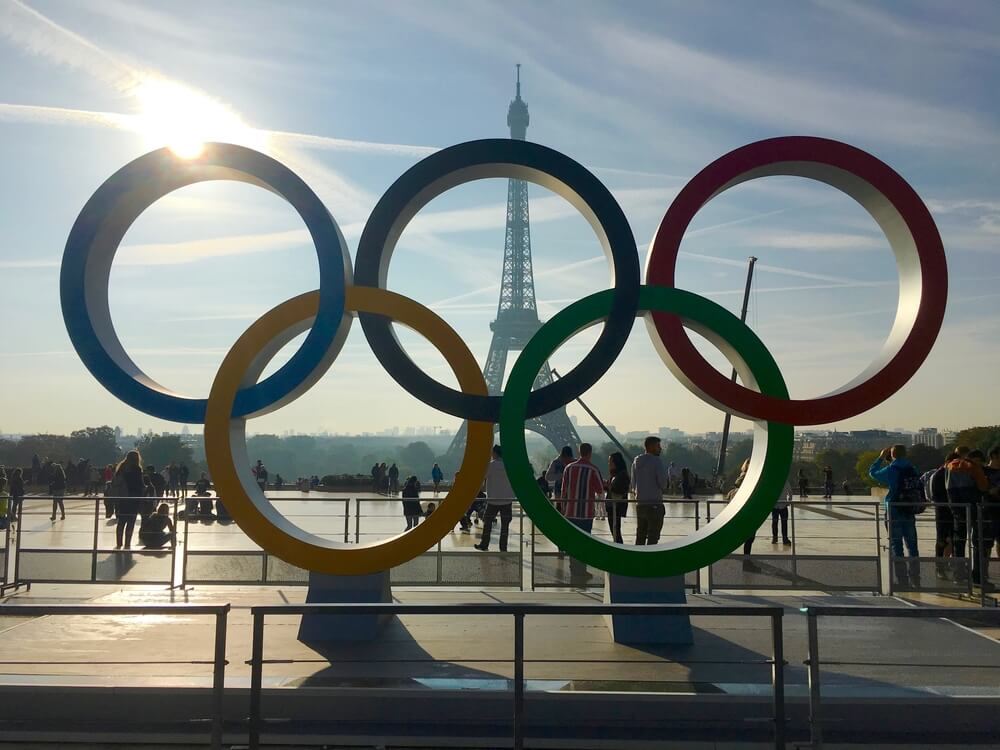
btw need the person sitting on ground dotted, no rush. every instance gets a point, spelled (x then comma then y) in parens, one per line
(156, 530)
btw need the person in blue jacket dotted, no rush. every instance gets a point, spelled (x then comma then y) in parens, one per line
(893, 470)
(437, 476)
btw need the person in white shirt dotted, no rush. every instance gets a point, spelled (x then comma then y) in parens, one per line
(499, 501)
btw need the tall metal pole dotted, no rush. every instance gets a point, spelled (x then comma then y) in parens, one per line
(720, 469)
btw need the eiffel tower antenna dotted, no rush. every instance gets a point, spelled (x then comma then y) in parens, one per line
(517, 312)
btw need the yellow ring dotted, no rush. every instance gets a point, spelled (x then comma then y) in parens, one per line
(225, 438)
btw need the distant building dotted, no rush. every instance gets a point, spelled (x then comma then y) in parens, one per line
(929, 436)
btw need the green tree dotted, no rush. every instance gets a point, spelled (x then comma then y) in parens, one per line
(925, 457)
(862, 465)
(95, 443)
(416, 458)
(160, 450)
(983, 438)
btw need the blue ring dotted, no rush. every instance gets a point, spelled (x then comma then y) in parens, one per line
(499, 157)
(103, 222)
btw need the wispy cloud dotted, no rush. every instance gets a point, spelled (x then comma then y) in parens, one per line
(751, 91)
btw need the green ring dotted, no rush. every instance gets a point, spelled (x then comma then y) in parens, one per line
(743, 515)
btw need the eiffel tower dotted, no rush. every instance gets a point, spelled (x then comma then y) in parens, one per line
(517, 313)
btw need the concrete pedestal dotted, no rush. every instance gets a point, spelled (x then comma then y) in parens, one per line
(326, 589)
(663, 629)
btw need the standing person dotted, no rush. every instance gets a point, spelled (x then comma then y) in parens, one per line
(581, 489)
(96, 479)
(157, 480)
(649, 482)
(748, 564)
(672, 477)
(374, 473)
(892, 469)
(780, 511)
(499, 501)
(16, 492)
(967, 487)
(260, 474)
(617, 494)
(128, 486)
(828, 483)
(553, 474)
(411, 503)
(437, 476)
(393, 475)
(803, 484)
(936, 493)
(57, 488)
(686, 483)
(183, 474)
(544, 486)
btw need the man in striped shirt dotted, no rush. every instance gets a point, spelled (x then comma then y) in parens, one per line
(582, 486)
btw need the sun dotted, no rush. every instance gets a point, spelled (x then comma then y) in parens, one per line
(183, 119)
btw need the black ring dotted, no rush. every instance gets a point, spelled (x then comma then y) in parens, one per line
(477, 160)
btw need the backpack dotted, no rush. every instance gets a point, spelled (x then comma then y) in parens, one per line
(910, 492)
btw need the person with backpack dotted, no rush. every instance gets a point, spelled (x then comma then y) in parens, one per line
(904, 498)
(966, 484)
(555, 471)
(936, 494)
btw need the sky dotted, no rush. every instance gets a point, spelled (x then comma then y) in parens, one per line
(349, 95)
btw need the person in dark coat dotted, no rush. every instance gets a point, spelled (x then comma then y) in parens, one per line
(130, 487)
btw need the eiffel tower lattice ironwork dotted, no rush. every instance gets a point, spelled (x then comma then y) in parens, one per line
(517, 313)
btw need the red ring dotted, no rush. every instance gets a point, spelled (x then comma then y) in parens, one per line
(908, 226)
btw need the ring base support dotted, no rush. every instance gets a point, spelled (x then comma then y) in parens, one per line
(636, 629)
(327, 589)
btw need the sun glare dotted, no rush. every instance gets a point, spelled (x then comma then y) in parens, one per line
(183, 119)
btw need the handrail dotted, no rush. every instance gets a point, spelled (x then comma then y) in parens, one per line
(219, 611)
(519, 612)
(812, 661)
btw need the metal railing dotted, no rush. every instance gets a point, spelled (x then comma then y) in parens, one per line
(813, 660)
(518, 612)
(218, 662)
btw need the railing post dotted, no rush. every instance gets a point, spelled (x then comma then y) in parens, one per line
(347, 519)
(815, 717)
(173, 550)
(520, 547)
(878, 547)
(256, 678)
(532, 553)
(187, 543)
(357, 520)
(519, 681)
(892, 554)
(982, 556)
(93, 552)
(17, 541)
(778, 680)
(219, 677)
(440, 565)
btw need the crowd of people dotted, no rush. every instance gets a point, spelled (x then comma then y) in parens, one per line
(964, 493)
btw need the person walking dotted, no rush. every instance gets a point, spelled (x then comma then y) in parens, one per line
(780, 512)
(581, 489)
(411, 503)
(892, 469)
(499, 501)
(553, 474)
(617, 488)
(128, 486)
(57, 488)
(649, 482)
(437, 476)
(16, 493)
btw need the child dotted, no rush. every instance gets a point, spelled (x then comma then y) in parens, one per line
(411, 503)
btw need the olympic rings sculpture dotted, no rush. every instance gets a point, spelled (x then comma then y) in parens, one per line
(327, 314)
